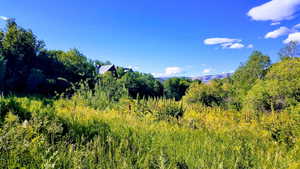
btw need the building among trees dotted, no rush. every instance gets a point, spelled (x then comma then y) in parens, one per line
(102, 69)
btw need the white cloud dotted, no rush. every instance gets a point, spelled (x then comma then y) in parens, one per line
(250, 46)
(232, 45)
(293, 37)
(216, 41)
(4, 18)
(169, 71)
(278, 32)
(275, 10)
(275, 23)
(207, 71)
(173, 71)
(297, 26)
(225, 43)
(236, 46)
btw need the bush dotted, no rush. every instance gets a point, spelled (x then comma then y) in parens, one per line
(11, 105)
(211, 94)
(106, 93)
(279, 90)
(161, 109)
(175, 88)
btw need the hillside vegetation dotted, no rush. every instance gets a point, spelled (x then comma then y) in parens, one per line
(56, 112)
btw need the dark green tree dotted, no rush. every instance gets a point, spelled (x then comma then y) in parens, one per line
(27, 67)
(19, 50)
(142, 85)
(176, 87)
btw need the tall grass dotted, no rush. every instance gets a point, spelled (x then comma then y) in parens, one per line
(133, 134)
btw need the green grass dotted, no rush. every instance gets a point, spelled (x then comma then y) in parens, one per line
(68, 134)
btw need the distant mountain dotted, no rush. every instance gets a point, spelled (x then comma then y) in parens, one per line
(204, 79)
(207, 78)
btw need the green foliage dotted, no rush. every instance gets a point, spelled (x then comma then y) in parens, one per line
(141, 85)
(211, 94)
(55, 138)
(107, 121)
(280, 88)
(106, 93)
(246, 75)
(19, 49)
(27, 67)
(161, 109)
(176, 87)
(12, 106)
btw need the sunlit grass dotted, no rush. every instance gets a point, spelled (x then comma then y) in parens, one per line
(69, 134)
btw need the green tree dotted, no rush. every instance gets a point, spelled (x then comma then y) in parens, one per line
(211, 94)
(280, 88)
(254, 69)
(142, 85)
(19, 50)
(245, 77)
(26, 65)
(176, 87)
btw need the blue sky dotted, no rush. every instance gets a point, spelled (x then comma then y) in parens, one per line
(163, 37)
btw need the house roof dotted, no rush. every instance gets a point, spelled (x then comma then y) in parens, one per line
(104, 69)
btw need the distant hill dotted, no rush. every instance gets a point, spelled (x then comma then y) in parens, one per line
(204, 78)
(207, 78)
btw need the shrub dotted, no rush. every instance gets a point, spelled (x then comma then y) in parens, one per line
(175, 88)
(106, 93)
(279, 90)
(211, 94)
(11, 105)
(161, 109)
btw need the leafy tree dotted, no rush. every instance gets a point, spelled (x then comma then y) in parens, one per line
(142, 85)
(280, 88)
(27, 67)
(211, 94)
(19, 50)
(254, 69)
(176, 87)
(122, 71)
(245, 77)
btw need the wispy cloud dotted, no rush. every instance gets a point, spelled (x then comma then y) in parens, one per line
(297, 26)
(208, 70)
(173, 71)
(250, 46)
(236, 46)
(216, 41)
(4, 18)
(275, 23)
(278, 32)
(170, 71)
(275, 10)
(225, 43)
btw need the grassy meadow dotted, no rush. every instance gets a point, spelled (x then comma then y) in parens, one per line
(58, 112)
(66, 133)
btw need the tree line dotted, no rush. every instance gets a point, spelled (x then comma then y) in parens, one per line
(28, 67)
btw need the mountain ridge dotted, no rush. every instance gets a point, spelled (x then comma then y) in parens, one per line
(204, 78)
